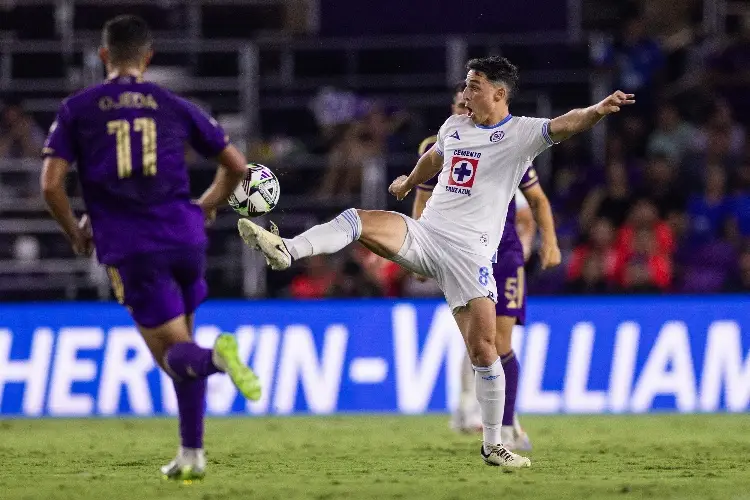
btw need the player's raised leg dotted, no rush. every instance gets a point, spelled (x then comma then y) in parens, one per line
(477, 325)
(380, 231)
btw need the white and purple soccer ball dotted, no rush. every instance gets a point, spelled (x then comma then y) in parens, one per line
(257, 194)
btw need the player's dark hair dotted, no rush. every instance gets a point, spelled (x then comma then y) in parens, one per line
(127, 38)
(497, 70)
(459, 87)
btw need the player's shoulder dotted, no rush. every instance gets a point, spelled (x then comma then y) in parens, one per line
(527, 120)
(458, 121)
(82, 98)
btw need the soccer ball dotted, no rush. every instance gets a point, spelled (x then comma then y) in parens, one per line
(257, 194)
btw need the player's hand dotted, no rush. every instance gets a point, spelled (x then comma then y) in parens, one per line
(613, 103)
(549, 254)
(209, 216)
(400, 187)
(209, 213)
(82, 240)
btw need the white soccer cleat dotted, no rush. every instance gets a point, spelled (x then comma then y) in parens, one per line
(515, 439)
(272, 246)
(188, 465)
(498, 455)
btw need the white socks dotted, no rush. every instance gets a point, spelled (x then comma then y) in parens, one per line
(326, 238)
(490, 386)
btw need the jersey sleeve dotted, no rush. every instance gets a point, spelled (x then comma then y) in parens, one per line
(207, 137)
(521, 201)
(440, 140)
(529, 179)
(534, 136)
(60, 141)
(426, 144)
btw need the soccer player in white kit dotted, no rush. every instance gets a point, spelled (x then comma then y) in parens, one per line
(480, 158)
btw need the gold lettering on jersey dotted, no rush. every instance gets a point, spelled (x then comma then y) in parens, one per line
(129, 100)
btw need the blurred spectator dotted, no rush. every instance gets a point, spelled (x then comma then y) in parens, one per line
(739, 218)
(673, 136)
(611, 201)
(315, 282)
(708, 212)
(354, 282)
(388, 275)
(363, 140)
(663, 186)
(730, 67)
(722, 119)
(592, 267)
(740, 280)
(636, 60)
(20, 136)
(645, 245)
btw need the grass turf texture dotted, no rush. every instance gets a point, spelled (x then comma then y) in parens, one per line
(664, 456)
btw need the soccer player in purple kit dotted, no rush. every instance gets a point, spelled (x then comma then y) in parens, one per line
(510, 309)
(128, 138)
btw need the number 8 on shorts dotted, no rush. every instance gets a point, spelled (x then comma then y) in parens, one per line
(484, 276)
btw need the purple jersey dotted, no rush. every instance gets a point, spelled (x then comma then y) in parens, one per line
(510, 240)
(128, 139)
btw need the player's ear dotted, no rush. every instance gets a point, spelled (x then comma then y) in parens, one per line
(501, 93)
(104, 55)
(147, 59)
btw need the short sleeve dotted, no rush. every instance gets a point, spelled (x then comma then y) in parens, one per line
(207, 137)
(60, 141)
(440, 141)
(426, 144)
(521, 201)
(534, 137)
(529, 179)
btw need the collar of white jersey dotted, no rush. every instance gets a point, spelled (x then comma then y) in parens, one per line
(501, 122)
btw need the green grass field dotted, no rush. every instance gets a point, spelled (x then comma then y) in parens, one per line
(669, 456)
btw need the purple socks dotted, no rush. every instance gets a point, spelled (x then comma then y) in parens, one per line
(190, 364)
(510, 367)
(191, 403)
(187, 360)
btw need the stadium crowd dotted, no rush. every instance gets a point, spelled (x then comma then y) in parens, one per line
(667, 211)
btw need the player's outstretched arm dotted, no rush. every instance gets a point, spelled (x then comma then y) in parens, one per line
(428, 165)
(580, 120)
(232, 169)
(52, 182)
(542, 210)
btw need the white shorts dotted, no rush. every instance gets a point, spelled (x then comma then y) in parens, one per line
(461, 276)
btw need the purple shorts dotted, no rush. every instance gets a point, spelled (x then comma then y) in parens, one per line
(511, 285)
(157, 287)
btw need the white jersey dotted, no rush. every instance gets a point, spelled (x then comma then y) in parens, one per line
(482, 168)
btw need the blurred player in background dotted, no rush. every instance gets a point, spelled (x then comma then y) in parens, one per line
(508, 268)
(481, 158)
(128, 140)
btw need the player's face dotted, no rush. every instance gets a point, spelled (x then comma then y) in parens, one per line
(459, 104)
(482, 96)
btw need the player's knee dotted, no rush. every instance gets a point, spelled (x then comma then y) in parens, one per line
(482, 351)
